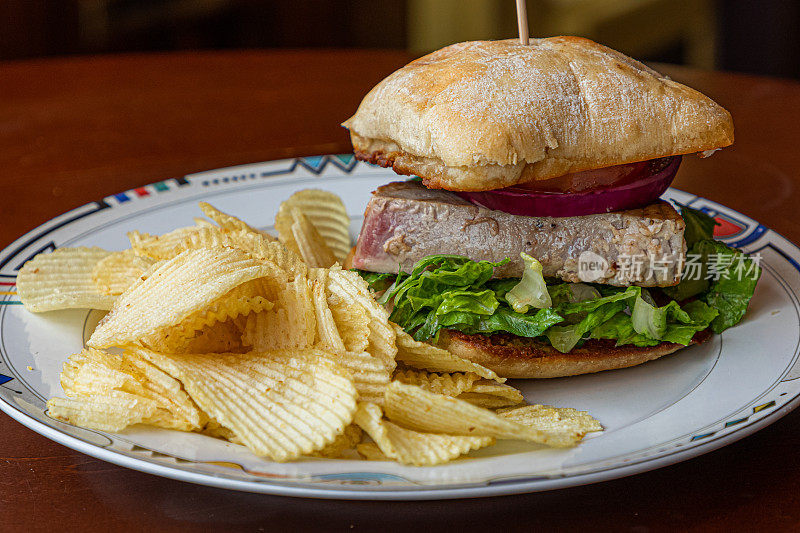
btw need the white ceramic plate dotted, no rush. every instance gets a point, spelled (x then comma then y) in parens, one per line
(656, 414)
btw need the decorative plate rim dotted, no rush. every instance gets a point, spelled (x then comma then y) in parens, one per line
(427, 492)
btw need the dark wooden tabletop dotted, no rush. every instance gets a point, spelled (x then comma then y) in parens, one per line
(77, 130)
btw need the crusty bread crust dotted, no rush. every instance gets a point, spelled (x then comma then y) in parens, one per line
(517, 357)
(488, 114)
(434, 174)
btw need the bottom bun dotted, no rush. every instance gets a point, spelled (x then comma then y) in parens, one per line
(519, 357)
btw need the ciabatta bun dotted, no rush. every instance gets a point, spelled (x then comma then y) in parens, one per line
(489, 114)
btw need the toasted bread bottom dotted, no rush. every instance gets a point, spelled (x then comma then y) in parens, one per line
(519, 357)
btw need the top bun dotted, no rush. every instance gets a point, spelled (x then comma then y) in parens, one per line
(484, 115)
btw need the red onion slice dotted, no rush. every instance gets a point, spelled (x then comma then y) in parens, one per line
(519, 201)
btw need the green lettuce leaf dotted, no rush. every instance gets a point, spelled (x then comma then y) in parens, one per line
(688, 288)
(479, 303)
(722, 276)
(572, 293)
(436, 273)
(694, 279)
(450, 291)
(680, 325)
(650, 320)
(700, 316)
(505, 319)
(453, 292)
(735, 277)
(585, 306)
(502, 286)
(531, 291)
(565, 338)
(620, 329)
(699, 226)
(377, 281)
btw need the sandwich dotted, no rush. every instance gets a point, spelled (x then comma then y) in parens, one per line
(530, 236)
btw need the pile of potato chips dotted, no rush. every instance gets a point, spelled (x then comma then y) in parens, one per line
(222, 329)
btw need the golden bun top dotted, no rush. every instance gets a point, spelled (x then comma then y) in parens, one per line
(483, 115)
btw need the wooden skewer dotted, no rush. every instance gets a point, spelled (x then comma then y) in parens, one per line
(522, 22)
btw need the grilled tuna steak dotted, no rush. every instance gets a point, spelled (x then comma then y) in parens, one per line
(405, 222)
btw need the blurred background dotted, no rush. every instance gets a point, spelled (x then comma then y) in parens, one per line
(755, 36)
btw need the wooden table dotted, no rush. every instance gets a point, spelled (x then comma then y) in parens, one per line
(77, 130)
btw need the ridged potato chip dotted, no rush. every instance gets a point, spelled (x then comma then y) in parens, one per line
(328, 336)
(219, 337)
(214, 429)
(290, 324)
(91, 373)
(200, 328)
(94, 372)
(281, 405)
(464, 386)
(203, 223)
(230, 232)
(352, 322)
(548, 418)
(112, 412)
(370, 373)
(492, 395)
(447, 384)
(350, 287)
(229, 222)
(250, 297)
(346, 441)
(161, 247)
(427, 357)
(283, 225)
(106, 412)
(191, 283)
(413, 447)
(257, 243)
(62, 279)
(327, 213)
(416, 408)
(116, 272)
(488, 401)
(278, 254)
(167, 390)
(371, 452)
(169, 245)
(370, 376)
(309, 242)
